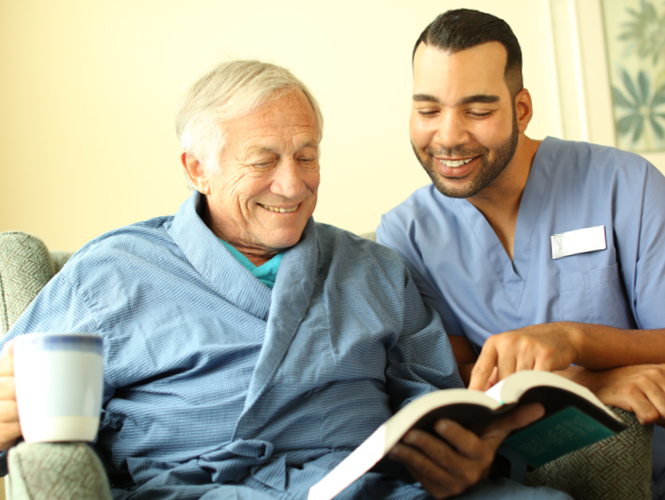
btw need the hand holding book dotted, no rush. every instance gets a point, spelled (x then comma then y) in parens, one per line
(460, 459)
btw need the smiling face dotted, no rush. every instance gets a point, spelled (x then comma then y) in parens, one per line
(463, 123)
(264, 191)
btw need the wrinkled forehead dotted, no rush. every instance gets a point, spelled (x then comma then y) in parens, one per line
(288, 122)
(291, 109)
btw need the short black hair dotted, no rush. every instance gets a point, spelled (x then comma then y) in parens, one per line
(460, 29)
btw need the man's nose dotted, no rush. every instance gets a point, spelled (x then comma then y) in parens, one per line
(288, 180)
(451, 132)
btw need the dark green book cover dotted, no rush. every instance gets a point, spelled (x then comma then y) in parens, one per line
(562, 432)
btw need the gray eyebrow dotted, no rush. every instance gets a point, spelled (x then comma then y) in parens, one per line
(269, 149)
(310, 144)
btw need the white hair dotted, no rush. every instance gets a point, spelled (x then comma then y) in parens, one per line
(231, 90)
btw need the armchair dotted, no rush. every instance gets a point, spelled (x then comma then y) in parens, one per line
(58, 471)
(615, 468)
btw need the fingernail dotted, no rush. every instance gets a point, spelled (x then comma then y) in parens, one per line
(409, 438)
(441, 426)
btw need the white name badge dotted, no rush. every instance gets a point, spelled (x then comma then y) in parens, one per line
(584, 240)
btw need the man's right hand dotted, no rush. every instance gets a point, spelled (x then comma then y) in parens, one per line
(10, 429)
(546, 347)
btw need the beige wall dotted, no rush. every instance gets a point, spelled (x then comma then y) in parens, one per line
(89, 89)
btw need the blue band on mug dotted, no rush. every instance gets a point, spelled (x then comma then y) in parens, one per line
(64, 342)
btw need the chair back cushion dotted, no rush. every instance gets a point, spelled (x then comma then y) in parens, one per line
(26, 266)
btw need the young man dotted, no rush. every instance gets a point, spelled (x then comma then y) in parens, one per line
(542, 254)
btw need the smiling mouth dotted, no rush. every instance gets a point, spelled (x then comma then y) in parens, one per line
(455, 163)
(279, 210)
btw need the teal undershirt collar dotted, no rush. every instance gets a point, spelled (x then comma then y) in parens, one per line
(266, 273)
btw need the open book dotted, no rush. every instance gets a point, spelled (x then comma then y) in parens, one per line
(574, 418)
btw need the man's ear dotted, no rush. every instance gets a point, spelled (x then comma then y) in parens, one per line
(523, 109)
(196, 172)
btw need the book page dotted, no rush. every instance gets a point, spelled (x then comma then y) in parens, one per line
(495, 391)
(352, 467)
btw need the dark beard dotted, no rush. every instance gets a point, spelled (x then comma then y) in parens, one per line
(488, 170)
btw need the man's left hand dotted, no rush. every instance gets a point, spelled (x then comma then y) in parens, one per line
(639, 388)
(449, 466)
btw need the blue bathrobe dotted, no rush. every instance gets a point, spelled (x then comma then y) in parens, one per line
(217, 386)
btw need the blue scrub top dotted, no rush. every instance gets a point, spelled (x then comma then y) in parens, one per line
(464, 272)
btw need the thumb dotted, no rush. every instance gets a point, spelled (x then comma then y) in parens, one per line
(7, 360)
(8, 348)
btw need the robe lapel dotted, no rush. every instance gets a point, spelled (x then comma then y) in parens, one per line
(283, 308)
(291, 297)
(206, 253)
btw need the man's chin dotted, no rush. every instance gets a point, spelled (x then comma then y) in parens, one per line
(452, 188)
(283, 240)
(454, 193)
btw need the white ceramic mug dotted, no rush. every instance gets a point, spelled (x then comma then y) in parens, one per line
(59, 382)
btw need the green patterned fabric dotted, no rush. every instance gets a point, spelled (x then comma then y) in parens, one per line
(25, 267)
(59, 259)
(615, 468)
(56, 471)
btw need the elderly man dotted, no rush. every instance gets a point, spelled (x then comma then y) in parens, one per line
(249, 349)
(542, 253)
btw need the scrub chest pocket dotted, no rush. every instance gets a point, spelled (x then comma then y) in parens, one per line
(595, 296)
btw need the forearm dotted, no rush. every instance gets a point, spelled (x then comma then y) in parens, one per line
(465, 372)
(602, 347)
(582, 376)
(465, 357)
(556, 346)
